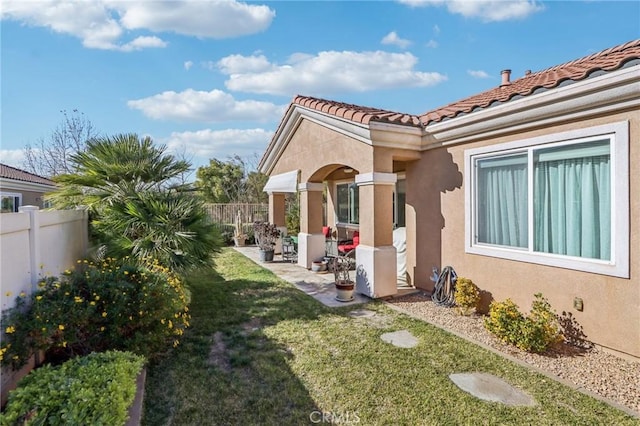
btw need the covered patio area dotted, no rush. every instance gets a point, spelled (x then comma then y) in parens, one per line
(347, 166)
(317, 285)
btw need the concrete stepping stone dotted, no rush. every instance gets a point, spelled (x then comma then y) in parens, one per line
(491, 388)
(401, 339)
(362, 313)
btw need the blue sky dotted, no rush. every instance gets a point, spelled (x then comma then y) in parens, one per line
(212, 79)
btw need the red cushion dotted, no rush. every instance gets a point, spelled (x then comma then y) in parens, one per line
(326, 230)
(346, 247)
(356, 240)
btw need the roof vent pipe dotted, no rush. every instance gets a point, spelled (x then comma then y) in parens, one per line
(506, 75)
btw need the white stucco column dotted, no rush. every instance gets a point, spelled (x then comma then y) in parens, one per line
(376, 261)
(311, 241)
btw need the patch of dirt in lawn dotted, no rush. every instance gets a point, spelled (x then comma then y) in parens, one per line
(218, 356)
(254, 324)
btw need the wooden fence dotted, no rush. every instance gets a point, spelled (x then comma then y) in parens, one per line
(224, 215)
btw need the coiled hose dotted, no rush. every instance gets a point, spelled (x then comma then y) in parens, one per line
(445, 288)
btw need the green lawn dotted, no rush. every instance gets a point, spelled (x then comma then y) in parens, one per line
(260, 352)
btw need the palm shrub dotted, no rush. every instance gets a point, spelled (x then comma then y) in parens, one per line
(169, 226)
(135, 205)
(114, 304)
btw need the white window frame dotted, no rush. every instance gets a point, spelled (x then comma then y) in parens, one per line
(618, 265)
(13, 195)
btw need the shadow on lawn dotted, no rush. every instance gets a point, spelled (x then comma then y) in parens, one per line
(226, 370)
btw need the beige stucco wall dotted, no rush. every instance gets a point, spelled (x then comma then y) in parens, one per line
(436, 235)
(30, 198)
(313, 147)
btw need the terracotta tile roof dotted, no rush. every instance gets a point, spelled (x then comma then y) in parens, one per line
(607, 60)
(576, 70)
(9, 172)
(356, 113)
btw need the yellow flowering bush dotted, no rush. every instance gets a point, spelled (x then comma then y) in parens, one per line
(467, 296)
(114, 304)
(533, 333)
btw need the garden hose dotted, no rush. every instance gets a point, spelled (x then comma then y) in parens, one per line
(445, 288)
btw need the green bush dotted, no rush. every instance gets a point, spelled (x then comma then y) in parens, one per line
(136, 207)
(93, 390)
(466, 295)
(533, 333)
(94, 308)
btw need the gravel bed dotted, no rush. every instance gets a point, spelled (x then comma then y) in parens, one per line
(609, 376)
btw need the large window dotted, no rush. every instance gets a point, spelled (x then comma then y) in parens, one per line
(560, 200)
(347, 206)
(9, 202)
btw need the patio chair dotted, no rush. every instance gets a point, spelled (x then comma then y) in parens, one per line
(289, 250)
(349, 245)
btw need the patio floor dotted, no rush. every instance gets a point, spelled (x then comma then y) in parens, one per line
(316, 284)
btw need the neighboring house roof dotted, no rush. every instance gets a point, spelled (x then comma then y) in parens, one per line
(580, 69)
(13, 173)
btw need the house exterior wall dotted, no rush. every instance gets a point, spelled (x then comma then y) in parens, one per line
(31, 198)
(313, 147)
(436, 186)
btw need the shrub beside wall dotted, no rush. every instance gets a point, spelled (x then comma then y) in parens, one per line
(533, 333)
(467, 296)
(94, 390)
(96, 307)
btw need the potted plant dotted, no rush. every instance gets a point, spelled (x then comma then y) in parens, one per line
(344, 284)
(266, 235)
(319, 265)
(239, 237)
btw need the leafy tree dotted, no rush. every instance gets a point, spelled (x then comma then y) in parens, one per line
(220, 182)
(136, 209)
(51, 157)
(231, 181)
(254, 186)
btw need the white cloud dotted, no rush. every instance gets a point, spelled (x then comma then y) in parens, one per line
(12, 157)
(432, 44)
(101, 24)
(142, 43)
(393, 39)
(211, 19)
(220, 144)
(234, 64)
(487, 10)
(332, 72)
(436, 29)
(188, 65)
(478, 74)
(205, 107)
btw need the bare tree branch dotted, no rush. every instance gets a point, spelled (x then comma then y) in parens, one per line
(52, 156)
